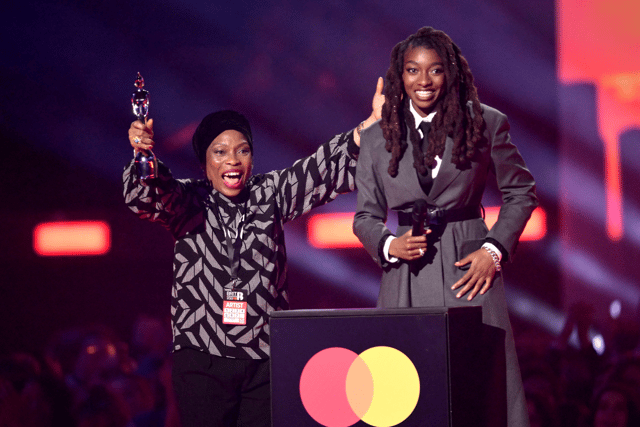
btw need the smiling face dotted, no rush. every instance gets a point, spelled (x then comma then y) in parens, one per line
(424, 79)
(229, 161)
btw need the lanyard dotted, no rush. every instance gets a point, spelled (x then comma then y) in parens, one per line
(233, 248)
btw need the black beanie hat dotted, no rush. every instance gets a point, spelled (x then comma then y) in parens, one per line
(213, 125)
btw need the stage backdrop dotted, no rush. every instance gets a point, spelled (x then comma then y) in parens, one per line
(301, 71)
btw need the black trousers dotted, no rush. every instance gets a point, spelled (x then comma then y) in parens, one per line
(220, 392)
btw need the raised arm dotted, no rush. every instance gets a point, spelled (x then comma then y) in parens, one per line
(162, 199)
(319, 178)
(376, 111)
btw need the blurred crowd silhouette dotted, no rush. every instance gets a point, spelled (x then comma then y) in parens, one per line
(574, 386)
(88, 376)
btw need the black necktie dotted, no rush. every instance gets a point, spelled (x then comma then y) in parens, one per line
(426, 181)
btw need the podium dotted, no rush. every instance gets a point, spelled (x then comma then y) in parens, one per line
(438, 367)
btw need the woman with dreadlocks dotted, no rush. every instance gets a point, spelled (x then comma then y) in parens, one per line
(436, 142)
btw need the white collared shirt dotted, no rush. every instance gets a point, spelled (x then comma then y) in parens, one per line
(418, 119)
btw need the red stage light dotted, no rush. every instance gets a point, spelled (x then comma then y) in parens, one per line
(535, 229)
(334, 230)
(75, 238)
(613, 74)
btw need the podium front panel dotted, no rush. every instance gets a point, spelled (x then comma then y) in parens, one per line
(419, 334)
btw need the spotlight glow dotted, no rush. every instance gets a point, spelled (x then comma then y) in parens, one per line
(72, 238)
(615, 309)
(597, 341)
(535, 229)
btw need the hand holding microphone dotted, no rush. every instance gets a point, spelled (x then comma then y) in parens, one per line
(412, 244)
(418, 216)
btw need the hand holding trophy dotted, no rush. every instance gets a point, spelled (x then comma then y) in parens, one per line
(146, 162)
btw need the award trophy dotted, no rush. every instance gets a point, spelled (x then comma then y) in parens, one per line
(146, 162)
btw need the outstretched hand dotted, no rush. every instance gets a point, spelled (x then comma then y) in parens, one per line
(479, 278)
(141, 135)
(376, 113)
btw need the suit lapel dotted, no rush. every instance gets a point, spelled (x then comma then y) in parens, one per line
(407, 178)
(447, 174)
(408, 182)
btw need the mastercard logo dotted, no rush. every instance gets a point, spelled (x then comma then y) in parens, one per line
(379, 386)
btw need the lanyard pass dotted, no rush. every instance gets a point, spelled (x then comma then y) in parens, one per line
(234, 307)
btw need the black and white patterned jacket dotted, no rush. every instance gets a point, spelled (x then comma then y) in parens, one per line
(201, 265)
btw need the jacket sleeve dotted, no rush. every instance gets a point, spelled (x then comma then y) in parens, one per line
(165, 200)
(371, 212)
(515, 183)
(318, 178)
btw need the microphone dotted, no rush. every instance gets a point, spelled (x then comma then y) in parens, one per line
(418, 216)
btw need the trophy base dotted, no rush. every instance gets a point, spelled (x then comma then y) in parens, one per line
(146, 166)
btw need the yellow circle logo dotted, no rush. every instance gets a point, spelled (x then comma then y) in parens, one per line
(339, 387)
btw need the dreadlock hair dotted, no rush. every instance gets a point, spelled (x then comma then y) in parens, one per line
(453, 117)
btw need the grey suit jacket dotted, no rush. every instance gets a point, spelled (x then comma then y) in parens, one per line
(452, 188)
